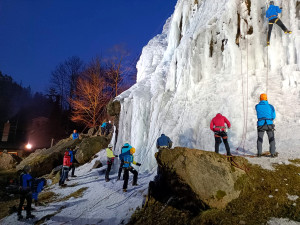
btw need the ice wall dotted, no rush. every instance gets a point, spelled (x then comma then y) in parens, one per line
(212, 58)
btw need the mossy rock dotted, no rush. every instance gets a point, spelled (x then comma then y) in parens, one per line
(89, 147)
(114, 108)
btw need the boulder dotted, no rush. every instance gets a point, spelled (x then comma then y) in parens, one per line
(42, 161)
(8, 161)
(89, 147)
(114, 108)
(200, 176)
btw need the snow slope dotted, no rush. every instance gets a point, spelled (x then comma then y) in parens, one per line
(212, 58)
(102, 203)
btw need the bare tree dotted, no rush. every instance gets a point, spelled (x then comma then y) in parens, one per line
(91, 97)
(63, 79)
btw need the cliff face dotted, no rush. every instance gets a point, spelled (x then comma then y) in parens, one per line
(212, 58)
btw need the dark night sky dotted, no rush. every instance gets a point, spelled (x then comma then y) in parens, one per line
(36, 35)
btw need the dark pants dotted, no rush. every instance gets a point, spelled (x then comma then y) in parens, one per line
(126, 176)
(120, 169)
(218, 141)
(28, 196)
(279, 23)
(260, 135)
(109, 165)
(64, 175)
(72, 167)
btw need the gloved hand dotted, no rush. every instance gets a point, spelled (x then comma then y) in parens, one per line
(138, 164)
(117, 156)
(280, 7)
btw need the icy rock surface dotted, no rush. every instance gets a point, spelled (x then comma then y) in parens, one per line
(212, 58)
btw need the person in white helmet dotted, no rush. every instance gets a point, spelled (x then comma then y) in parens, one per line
(110, 160)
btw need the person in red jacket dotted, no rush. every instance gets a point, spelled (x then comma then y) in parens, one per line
(217, 125)
(65, 169)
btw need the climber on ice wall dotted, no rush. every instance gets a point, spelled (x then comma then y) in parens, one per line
(272, 15)
(265, 116)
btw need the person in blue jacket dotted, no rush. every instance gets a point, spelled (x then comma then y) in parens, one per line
(75, 135)
(103, 128)
(265, 116)
(128, 160)
(125, 150)
(72, 167)
(25, 193)
(163, 142)
(272, 15)
(38, 187)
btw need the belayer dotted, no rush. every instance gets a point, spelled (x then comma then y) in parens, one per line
(272, 15)
(125, 150)
(128, 159)
(25, 193)
(110, 160)
(65, 169)
(265, 116)
(217, 125)
(72, 167)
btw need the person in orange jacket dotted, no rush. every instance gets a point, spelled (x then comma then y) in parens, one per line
(65, 169)
(217, 125)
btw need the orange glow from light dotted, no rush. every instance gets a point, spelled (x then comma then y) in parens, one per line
(28, 146)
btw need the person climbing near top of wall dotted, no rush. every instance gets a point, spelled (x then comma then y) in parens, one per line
(217, 125)
(265, 116)
(163, 142)
(128, 159)
(272, 15)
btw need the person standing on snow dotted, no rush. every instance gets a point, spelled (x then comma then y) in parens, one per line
(65, 169)
(128, 159)
(163, 142)
(125, 150)
(72, 167)
(110, 160)
(265, 115)
(75, 135)
(272, 15)
(25, 193)
(217, 125)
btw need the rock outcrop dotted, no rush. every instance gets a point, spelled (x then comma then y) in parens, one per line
(89, 147)
(203, 176)
(42, 161)
(8, 161)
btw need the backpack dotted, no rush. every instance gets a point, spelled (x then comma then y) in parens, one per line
(128, 159)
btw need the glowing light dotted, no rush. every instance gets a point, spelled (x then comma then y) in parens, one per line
(28, 146)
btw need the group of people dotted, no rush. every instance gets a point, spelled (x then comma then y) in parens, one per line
(265, 116)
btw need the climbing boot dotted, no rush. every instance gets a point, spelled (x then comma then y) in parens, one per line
(124, 190)
(288, 32)
(258, 155)
(135, 185)
(107, 179)
(268, 43)
(118, 178)
(274, 155)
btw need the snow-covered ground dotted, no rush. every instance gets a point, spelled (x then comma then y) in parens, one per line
(102, 203)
